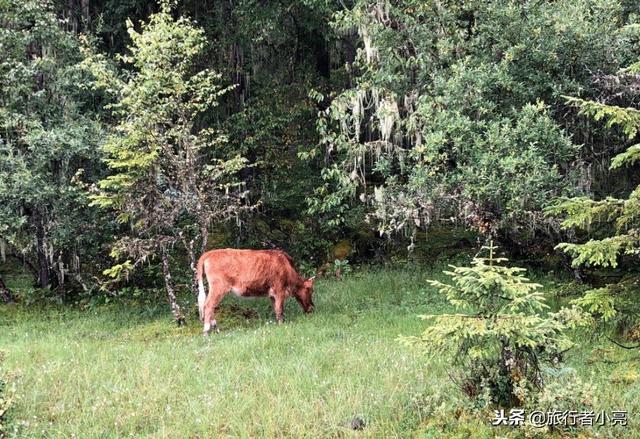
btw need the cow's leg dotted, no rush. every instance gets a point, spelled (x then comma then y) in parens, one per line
(278, 307)
(216, 293)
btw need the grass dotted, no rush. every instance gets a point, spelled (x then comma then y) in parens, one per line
(127, 371)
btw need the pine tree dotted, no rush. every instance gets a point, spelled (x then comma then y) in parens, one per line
(619, 218)
(499, 343)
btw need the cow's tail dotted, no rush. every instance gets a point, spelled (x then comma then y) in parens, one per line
(202, 295)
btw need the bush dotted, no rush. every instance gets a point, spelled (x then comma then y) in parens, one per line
(499, 344)
(564, 392)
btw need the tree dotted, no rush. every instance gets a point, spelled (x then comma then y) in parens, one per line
(275, 52)
(47, 144)
(499, 344)
(453, 112)
(167, 183)
(613, 222)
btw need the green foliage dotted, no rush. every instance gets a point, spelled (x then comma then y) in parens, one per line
(629, 157)
(618, 218)
(598, 302)
(626, 118)
(269, 130)
(117, 271)
(584, 212)
(341, 267)
(499, 343)
(48, 143)
(454, 111)
(169, 181)
(602, 252)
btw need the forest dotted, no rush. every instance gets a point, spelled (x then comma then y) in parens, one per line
(457, 180)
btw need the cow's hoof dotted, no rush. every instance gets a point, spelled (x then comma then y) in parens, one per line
(207, 332)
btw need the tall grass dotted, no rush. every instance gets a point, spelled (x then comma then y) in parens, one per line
(128, 371)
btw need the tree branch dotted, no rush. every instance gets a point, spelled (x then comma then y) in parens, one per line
(623, 346)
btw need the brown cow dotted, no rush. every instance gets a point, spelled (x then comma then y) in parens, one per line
(250, 273)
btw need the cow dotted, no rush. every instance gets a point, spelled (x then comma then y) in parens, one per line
(250, 273)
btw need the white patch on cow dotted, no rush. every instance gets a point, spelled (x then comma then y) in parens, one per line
(202, 297)
(237, 291)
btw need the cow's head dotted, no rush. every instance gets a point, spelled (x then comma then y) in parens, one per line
(304, 295)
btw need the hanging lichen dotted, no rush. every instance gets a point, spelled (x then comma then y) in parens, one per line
(387, 114)
(371, 52)
(61, 270)
(76, 263)
(357, 109)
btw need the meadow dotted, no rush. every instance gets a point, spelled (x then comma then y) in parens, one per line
(126, 370)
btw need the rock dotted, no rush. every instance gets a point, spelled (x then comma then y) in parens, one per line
(342, 249)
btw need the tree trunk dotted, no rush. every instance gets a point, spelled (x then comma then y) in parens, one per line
(204, 236)
(5, 294)
(168, 282)
(43, 263)
(237, 76)
(193, 261)
(192, 264)
(204, 233)
(72, 11)
(350, 49)
(86, 13)
(321, 54)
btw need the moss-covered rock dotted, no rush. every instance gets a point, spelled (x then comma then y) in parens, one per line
(341, 250)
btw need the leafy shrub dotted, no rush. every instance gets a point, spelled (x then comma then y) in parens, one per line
(564, 392)
(341, 267)
(499, 345)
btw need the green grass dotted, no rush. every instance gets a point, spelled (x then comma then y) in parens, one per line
(128, 371)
